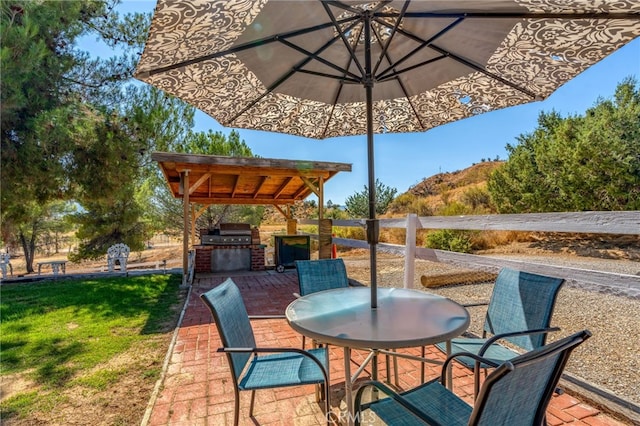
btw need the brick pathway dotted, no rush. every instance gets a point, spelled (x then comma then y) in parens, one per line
(197, 387)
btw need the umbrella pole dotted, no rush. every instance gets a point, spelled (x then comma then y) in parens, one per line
(372, 222)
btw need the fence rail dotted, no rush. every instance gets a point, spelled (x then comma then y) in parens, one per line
(622, 223)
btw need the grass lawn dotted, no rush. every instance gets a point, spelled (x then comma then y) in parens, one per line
(84, 351)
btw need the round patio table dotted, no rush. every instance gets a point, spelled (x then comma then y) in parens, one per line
(404, 318)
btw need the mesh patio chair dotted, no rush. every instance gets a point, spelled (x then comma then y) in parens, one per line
(325, 274)
(255, 368)
(519, 312)
(319, 275)
(517, 392)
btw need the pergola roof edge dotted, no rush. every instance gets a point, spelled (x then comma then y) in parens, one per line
(219, 179)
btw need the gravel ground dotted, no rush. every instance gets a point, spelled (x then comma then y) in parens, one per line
(609, 360)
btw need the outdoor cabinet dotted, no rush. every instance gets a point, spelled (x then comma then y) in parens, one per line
(289, 248)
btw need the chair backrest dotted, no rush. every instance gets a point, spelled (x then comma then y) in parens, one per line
(232, 321)
(321, 274)
(118, 250)
(522, 301)
(518, 392)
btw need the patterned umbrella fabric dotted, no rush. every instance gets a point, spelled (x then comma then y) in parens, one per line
(323, 69)
(299, 67)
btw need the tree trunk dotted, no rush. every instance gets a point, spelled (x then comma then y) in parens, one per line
(29, 249)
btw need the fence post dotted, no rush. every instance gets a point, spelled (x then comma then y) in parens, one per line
(410, 251)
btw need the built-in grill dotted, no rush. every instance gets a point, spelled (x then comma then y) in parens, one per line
(230, 247)
(228, 234)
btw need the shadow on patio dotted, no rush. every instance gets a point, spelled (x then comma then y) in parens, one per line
(197, 386)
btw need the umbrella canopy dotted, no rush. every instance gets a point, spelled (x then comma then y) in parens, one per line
(335, 68)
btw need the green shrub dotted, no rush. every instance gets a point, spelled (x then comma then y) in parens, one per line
(450, 240)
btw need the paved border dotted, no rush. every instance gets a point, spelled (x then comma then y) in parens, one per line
(165, 363)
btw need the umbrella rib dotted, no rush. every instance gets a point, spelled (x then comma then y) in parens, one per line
(485, 72)
(459, 18)
(342, 36)
(406, 95)
(333, 108)
(469, 64)
(286, 76)
(352, 56)
(394, 74)
(315, 56)
(343, 79)
(385, 54)
(242, 47)
(423, 44)
(521, 15)
(408, 98)
(393, 33)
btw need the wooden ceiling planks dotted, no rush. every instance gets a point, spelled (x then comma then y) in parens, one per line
(243, 180)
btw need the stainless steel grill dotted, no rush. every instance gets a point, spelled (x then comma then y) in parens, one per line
(229, 234)
(226, 240)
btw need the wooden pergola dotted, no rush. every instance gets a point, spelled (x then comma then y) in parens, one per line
(214, 179)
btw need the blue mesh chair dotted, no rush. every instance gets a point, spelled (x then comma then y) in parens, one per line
(519, 313)
(326, 274)
(319, 275)
(250, 369)
(517, 392)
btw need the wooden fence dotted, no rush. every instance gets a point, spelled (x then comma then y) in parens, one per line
(622, 223)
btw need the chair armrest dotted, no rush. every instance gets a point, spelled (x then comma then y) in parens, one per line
(393, 395)
(274, 316)
(479, 359)
(280, 350)
(471, 305)
(497, 337)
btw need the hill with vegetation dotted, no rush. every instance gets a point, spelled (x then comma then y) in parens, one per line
(460, 192)
(460, 186)
(472, 176)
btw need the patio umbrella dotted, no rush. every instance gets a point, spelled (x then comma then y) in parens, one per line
(323, 69)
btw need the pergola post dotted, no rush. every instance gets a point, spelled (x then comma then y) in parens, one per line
(325, 227)
(292, 224)
(185, 237)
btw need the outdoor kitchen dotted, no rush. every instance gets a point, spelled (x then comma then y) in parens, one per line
(204, 180)
(230, 247)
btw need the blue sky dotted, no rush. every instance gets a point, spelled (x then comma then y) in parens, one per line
(403, 160)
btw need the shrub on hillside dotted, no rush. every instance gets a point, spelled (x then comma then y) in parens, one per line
(409, 203)
(450, 240)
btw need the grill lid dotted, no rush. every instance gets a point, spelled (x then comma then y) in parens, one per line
(235, 229)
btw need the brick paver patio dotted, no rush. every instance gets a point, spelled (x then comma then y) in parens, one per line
(197, 386)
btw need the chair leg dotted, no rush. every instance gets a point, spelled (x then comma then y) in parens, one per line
(395, 374)
(395, 369)
(327, 406)
(476, 381)
(253, 398)
(423, 354)
(236, 409)
(319, 388)
(388, 360)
